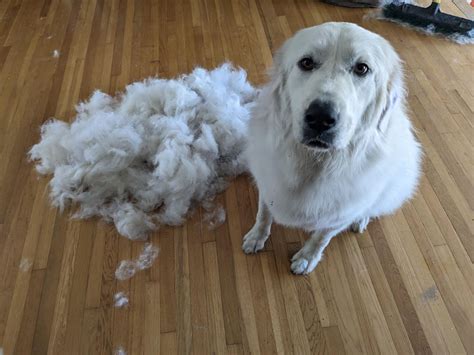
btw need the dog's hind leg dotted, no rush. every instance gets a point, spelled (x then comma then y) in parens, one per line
(255, 239)
(308, 257)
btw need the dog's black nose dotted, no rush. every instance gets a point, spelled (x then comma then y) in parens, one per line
(320, 116)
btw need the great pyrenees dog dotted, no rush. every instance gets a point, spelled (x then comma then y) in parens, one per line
(330, 144)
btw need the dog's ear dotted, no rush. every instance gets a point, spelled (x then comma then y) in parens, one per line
(278, 76)
(392, 94)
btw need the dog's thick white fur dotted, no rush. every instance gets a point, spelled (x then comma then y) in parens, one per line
(373, 163)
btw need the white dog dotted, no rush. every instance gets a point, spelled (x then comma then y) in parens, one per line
(330, 145)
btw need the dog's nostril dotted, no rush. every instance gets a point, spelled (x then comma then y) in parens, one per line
(311, 118)
(328, 122)
(320, 122)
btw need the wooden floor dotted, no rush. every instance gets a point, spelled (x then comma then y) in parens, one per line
(405, 286)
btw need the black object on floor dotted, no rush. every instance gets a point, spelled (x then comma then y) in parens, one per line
(429, 18)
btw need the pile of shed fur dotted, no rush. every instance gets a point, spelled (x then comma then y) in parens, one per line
(147, 156)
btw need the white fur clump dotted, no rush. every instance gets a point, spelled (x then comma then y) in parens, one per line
(121, 300)
(128, 268)
(145, 157)
(25, 264)
(125, 270)
(214, 216)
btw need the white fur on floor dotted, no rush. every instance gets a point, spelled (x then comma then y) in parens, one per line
(120, 300)
(128, 268)
(145, 157)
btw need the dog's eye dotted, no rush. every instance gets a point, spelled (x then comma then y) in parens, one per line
(307, 64)
(361, 69)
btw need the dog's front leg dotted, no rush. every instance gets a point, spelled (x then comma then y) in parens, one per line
(308, 257)
(255, 239)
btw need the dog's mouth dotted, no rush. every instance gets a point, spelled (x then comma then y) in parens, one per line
(317, 143)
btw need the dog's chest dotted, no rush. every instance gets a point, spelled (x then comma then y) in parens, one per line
(304, 199)
(324, 206)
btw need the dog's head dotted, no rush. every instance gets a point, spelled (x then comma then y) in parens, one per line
(336, 80)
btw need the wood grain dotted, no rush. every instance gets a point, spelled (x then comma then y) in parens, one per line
(405, 286)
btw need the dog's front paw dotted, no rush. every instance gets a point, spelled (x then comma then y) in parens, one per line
(302, 263)
(254, 241)
(360, 226)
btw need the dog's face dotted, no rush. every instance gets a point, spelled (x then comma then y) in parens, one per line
(336, 79)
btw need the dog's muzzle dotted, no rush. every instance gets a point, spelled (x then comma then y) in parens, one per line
(319, 122)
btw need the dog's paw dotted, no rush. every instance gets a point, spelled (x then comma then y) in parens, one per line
(254, 241)
(360, 226)
(302, 264)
